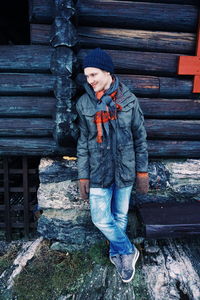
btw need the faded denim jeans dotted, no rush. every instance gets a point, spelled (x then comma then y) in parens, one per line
(109, 212)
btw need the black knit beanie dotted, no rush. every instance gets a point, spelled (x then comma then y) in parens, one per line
(98, 58)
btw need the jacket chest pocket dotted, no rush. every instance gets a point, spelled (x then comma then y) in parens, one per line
(89, 117)
(125, 116)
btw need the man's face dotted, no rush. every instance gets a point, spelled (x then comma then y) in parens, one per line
(98, 79)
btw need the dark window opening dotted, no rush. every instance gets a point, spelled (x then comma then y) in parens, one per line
(19, 182)
(14, 22)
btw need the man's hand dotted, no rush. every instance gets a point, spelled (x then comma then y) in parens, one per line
(142, 183)
(84, 188)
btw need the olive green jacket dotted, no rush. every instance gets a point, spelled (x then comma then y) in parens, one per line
(124, 152)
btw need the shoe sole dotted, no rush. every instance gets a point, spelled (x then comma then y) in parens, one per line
(133, 265)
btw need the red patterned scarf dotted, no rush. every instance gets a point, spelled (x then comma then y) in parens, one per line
(106, 112)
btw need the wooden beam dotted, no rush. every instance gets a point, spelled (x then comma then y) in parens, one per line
(136, 62)
(173, 129)
(48, 147)
(158, 86)
(40, 34)
(153, 86)
(128, 14)
(175, 149)
(125, 14)
(26, 127)
(144, 40)
(41, 11)
(33, 147)
(119, 38)
(29, 58)
(170, 108)
(27, 106)
(31, 84)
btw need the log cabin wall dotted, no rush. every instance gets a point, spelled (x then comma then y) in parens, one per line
(36, 111)
(144, 38)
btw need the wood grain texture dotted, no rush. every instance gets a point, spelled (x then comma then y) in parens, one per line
(128, 14)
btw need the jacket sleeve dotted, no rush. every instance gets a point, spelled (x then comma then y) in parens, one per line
(139, 135)
(82, 147)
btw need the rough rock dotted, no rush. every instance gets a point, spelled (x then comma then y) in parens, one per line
(66, 217)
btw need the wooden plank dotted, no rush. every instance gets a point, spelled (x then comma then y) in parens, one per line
(173, 129)
(28, 58)
(33, 147)
(20, 84)
(7, 199)
(44, 147)
(26, 106)
(40, 34)
(170, 108)
(26, 127)
(175, 149)
(128, 14)
(25, 196)
(144, 40)
(149, 63)
(153, 86)
(125, 14)
(190, 2)
(41, 11)
(119, 38)
(158, 86)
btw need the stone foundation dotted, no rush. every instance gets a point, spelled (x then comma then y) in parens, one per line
(66, 218)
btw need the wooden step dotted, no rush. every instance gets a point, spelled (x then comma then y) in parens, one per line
(168, 220)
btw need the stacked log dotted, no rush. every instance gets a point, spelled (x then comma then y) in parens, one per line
(145, 40)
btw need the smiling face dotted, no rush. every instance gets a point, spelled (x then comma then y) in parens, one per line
(98, 79)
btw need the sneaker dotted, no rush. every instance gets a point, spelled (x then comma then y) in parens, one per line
(117, 261)
(128, 265)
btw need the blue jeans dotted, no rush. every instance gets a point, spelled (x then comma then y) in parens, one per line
(109, 212)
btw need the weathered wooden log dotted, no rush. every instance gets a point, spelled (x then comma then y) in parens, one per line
(40, 34)
(26, 127)
(170, 108)
(22, 83)
(33, 146)
(29, 58)
(143, 86)
(46, 146)
(173, 129)
(155, 86)
(27, 106)
(190, 2)
(158, 86)
(37, 59)
(136, 62)
(41, 11)
(159, 148)
(127, 14)
(117, 38)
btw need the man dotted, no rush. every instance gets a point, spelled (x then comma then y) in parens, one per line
(112, 153)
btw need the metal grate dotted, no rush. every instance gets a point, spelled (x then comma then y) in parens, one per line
(19, 182)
